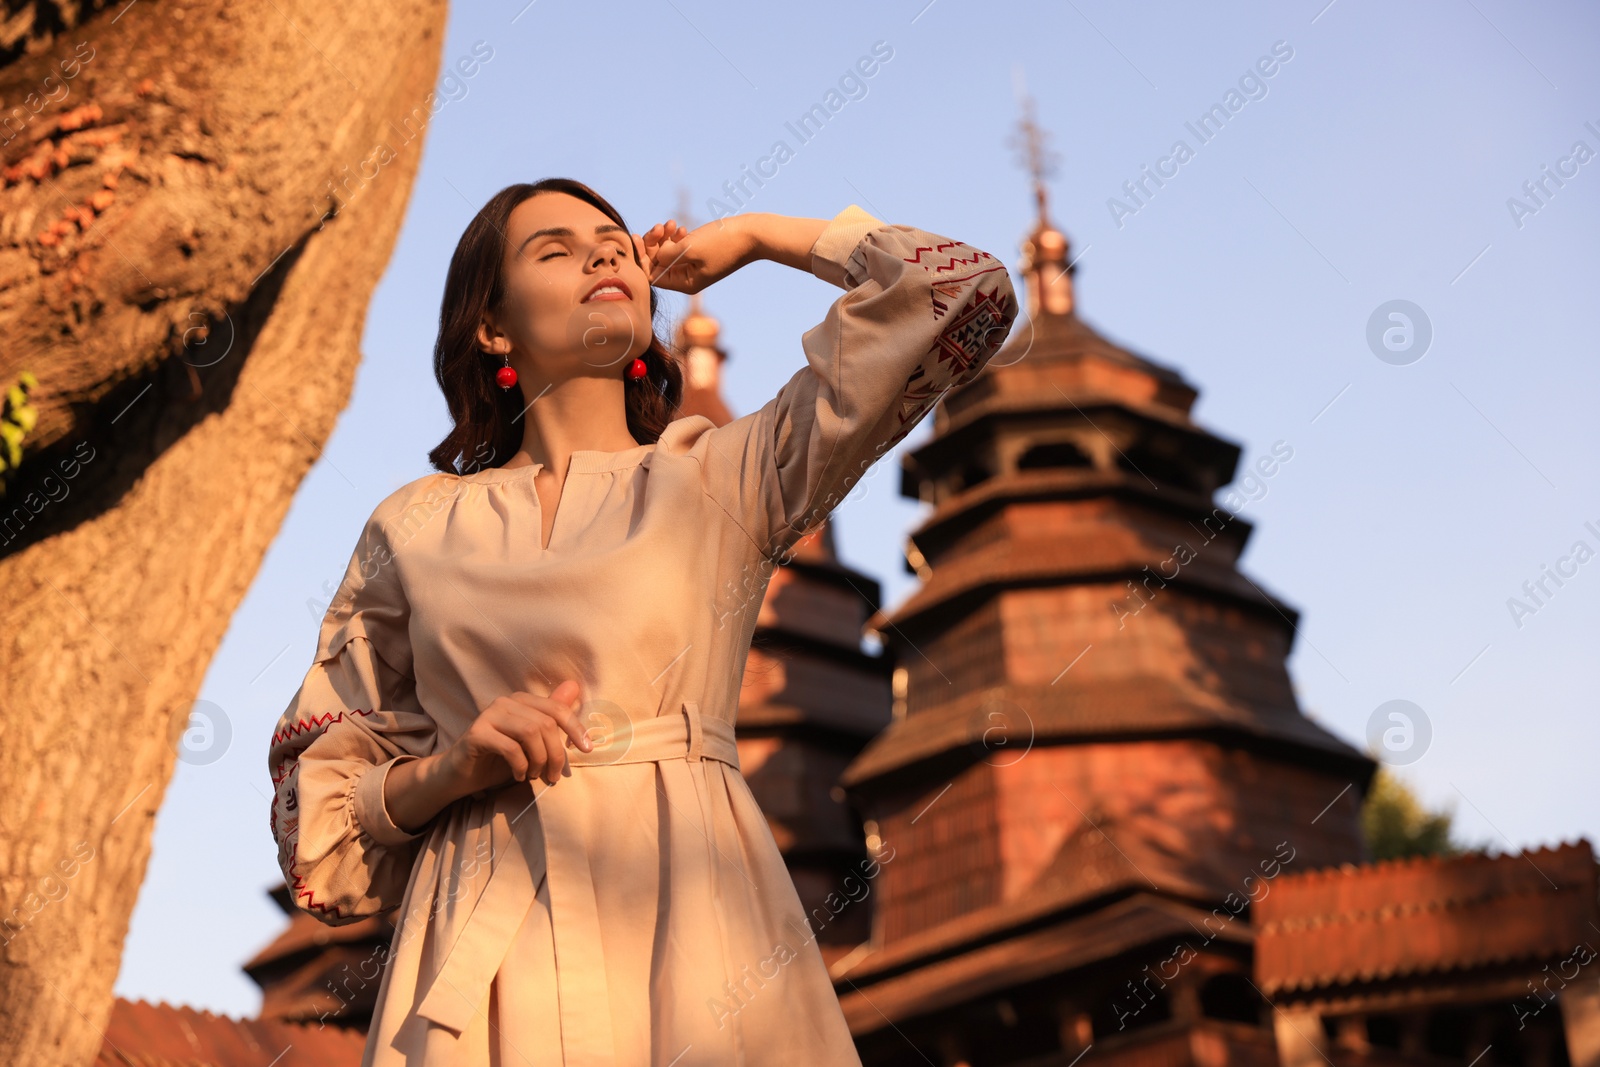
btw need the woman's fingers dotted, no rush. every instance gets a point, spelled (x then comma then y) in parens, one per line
(661, 248)
(674, 265)
(660, 232)
(578, 732)
(538, 749)
(563, 712)
(539, 752)
(665, 233)
(568, 720)
(512, 751)
(526, 734)
(527, 738)
(649, 241)
(555, 744)
(662, 245)
(522, 735)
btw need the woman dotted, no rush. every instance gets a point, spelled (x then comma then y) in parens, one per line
(518, 729)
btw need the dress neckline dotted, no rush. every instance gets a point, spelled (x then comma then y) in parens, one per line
(583, 461)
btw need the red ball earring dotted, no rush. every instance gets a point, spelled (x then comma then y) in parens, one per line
(506, 376)
(637, 370)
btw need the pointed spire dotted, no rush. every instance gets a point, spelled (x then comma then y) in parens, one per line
(1044, 254)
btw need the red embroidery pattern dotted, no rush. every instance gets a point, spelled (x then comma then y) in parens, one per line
(314, 727)
(950, 262)
(317, 721)
(301, 892)
(959, 352)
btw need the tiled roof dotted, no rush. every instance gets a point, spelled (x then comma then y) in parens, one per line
(1425, 915)
(1139, 705)
(1094, 554)
(141, 1034)
(1066, 339)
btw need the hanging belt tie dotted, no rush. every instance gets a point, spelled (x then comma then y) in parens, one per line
(545, 840)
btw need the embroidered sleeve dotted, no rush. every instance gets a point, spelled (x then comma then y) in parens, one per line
(921, 315)
(354, 718)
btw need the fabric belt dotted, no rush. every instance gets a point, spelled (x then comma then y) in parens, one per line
(479, 937)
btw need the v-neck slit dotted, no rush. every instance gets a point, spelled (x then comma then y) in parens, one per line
(581, 461)
(555, 516)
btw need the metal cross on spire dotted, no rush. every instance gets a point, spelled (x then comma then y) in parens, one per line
(1030, 142)
(1044, 253)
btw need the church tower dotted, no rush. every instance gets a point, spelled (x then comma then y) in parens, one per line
(1096, 759)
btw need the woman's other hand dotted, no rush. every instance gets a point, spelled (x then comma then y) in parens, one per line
(518, 737)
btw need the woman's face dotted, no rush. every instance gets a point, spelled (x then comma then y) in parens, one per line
(575, 301)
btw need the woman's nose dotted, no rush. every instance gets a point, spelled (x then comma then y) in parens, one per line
(607, 253)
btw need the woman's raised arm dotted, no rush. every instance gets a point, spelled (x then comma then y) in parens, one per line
(922, 314)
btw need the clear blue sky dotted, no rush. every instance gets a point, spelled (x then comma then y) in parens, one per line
(1376, 166)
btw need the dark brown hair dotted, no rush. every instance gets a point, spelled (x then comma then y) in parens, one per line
(488, 427)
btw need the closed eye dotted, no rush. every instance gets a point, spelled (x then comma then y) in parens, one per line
(625, 249)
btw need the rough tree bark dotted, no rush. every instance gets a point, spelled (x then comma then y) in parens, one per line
(198, 199)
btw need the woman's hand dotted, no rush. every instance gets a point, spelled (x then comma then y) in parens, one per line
(517, 737)
(688, 261)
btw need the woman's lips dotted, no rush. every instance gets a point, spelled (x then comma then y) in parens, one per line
(618, 290)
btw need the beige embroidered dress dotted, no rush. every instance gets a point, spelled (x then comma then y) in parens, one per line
(637, 912)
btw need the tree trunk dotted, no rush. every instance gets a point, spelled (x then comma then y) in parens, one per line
(197, 202)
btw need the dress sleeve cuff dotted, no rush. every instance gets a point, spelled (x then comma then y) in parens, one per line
(830, 256)
(370, 811)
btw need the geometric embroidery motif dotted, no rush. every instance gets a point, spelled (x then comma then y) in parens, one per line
(965, 343)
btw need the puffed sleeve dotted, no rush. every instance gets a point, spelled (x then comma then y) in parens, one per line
(354, 717)
(922, 315)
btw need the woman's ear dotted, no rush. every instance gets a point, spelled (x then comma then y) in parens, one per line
(490, 339)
